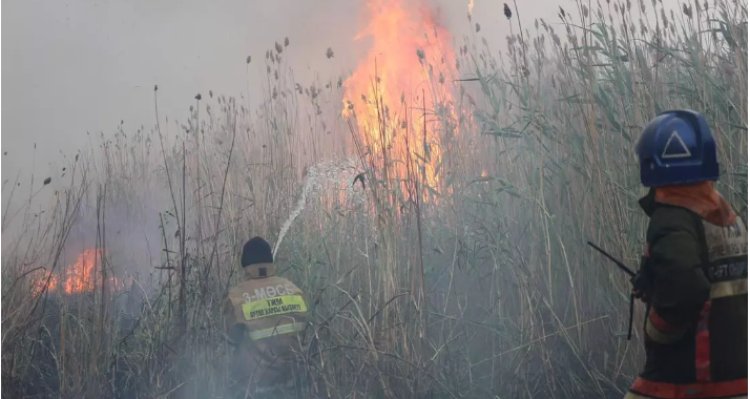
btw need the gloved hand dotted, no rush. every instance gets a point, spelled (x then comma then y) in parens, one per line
(642, 281)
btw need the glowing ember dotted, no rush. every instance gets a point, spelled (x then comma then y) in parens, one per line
(47, 279)
(80, 276)
(410, 54)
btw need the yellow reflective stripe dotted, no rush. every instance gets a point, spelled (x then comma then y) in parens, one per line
(728, 288)
(277, 330)
(274, 306)
(660, 336)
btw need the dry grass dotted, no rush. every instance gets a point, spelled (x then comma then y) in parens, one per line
(484, 289)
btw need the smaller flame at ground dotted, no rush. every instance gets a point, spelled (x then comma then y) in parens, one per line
(80, 276)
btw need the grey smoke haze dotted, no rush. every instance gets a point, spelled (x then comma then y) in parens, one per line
(77, 66)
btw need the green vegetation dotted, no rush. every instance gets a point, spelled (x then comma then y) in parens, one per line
(483, 289)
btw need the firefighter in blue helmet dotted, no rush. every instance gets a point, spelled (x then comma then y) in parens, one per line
(694, 271)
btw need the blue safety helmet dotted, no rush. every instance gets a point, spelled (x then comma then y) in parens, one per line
(676, 148)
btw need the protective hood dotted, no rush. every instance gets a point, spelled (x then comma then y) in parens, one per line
(701, 198)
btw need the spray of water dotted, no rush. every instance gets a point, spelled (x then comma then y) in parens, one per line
(320, 176)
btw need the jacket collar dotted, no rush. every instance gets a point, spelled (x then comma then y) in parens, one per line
(648, 202)
(700, 198)
(253, 271)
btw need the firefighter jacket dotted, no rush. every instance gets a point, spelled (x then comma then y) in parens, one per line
(263, 317)
(696, 323)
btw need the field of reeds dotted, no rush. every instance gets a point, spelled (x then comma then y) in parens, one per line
(475, 285)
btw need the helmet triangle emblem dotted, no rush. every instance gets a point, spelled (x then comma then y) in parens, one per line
(675, 148)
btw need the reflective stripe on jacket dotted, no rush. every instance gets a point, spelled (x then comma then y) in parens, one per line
(271, 311)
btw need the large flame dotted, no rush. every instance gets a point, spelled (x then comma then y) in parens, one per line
(406, 74)
(80, 276)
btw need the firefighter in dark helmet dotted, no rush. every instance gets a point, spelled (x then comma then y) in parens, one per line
(694, 271)
(264, 315)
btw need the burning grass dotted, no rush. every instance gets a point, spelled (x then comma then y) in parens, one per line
(486, 291)
(79, 277)
(408, 70)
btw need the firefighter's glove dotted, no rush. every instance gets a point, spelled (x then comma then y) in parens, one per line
(642, 282)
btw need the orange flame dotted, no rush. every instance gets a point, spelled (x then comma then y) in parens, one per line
(80, 276)
(411, 57)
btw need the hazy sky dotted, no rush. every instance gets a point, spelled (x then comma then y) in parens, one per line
(72, 66)
(83, 65)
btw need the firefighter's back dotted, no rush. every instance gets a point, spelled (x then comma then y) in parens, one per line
(274, 311)
(265, 314)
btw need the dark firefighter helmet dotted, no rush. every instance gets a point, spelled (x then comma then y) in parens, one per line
(677, 147)
(256, 250)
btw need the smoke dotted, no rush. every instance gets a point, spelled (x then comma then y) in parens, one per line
(78, 67)
(131, 235)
